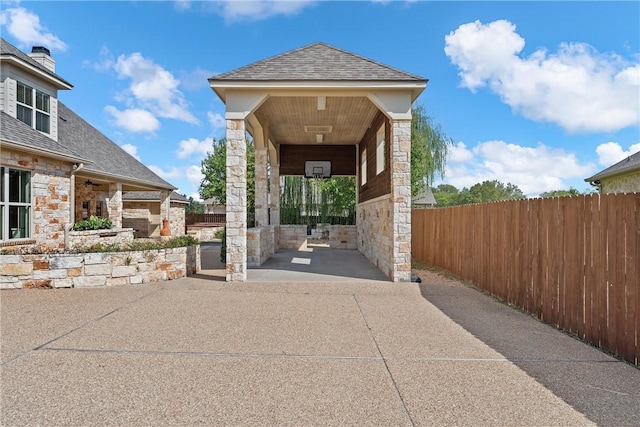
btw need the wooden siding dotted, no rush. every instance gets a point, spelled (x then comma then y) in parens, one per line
(377, 184)
(342, 157)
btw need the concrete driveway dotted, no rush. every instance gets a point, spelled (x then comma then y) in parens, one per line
(203, 352)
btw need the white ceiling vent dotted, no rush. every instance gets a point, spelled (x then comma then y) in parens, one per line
(318, 129)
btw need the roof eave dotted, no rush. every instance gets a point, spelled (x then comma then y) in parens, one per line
(129, 180)
(58, 82)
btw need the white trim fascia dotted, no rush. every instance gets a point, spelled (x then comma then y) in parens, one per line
(60, 84)
(47, 153)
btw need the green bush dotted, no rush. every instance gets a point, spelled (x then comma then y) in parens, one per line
(93, 223)
(176, 242)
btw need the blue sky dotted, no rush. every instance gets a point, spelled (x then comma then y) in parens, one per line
(537, 94)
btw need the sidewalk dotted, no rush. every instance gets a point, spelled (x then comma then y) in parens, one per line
(197, 351)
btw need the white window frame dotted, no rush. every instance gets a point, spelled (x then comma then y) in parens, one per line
(381, 158)
(363, 167)
(36, 112)
(6, 205)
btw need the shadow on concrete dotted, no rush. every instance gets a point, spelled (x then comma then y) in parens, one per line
(316, 263)
(211, 268)
(602, 387)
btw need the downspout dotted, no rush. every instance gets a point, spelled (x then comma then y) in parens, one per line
(72, 200)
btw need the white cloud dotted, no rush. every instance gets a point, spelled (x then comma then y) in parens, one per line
(577, 87)
(459, 153)
(611, 153)
(172, 173)
(216, 120)
(191, 146)
(134, 120)
(153, 88)
(532, 169)
(25, 26)
(131, 149)
(234, 10)
(196, 197)
(194, 174)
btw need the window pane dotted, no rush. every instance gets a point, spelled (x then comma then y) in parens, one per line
(42, 122)
(24, 114)
(42, 101)
(18, 222)
(19, 186)
(25, 94)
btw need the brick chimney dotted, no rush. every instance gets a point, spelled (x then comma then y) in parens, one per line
(41, 55)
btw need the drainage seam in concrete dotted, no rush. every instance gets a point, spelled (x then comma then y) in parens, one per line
(384, 360)
(40, 347)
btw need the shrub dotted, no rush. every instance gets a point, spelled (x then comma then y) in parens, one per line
(93, 223)
(176, 242)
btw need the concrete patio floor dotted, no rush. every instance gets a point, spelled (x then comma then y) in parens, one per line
(201, 351)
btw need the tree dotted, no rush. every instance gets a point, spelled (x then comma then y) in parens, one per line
(490, 191)
(446, 195)
(429, 147)
(214, 169)
(194, 206)
(560, 193)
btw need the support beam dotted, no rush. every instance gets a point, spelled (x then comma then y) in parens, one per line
(401, 197)
(236, 201)
(261, 196)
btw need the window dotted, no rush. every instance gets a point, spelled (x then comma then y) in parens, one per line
(25, 111)
(363, 167)
(15, 204)
(381, 158)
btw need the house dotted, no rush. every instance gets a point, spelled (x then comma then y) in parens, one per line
(141, 211)
(56, 168)
(214, 206)
(425, 199)
(623, 177)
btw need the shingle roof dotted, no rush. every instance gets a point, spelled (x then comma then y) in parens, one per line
(14, 130)
(317, 62)
(425, 197)
(7, 49)
(153, 196)
(625, 165)
(82, 138)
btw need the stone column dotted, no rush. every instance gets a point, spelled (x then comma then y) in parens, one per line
(236, 201)
(275, 195)
(401, 197)
(262, 207)
(114, 204)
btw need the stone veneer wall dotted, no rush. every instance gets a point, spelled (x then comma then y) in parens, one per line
(401, 192)
(87, 238)
(375, 230)
(97, 269)
(203, 233)
(629, 183)
(236, 263)
(177, 219)
(260, 245)
(292, 236)
(342, 236)
(50, 186)
(136, 215)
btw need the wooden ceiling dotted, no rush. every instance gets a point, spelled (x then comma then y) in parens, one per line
(287, 117)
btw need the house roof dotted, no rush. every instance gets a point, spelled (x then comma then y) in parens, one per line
(317, 62)
(152, 196)
(107, 157)
(629, 164)
(425, 197)
(21, 135)
(7, 50)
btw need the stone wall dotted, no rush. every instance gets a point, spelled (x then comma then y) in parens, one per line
(260, 245)
(336, 236)
(374, 231)
(97, 269)
(87, 238)
(50, 209)
(203, 233)
(292, 236)
(177, 219)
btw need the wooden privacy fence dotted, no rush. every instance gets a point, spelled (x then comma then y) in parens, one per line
(191, 219)
(574, 262)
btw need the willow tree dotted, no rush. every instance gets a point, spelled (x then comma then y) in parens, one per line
(429, 147)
